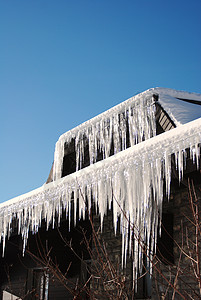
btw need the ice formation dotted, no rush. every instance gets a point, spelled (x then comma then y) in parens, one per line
(132, 178)
(137, 114)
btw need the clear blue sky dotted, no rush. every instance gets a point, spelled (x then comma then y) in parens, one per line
(63, 62)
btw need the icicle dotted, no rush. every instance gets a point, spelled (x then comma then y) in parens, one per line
(167, 162)
(134, 177)
(138, 112)
(69, 215)
(89, 198)
(75, 206)
(197, 150)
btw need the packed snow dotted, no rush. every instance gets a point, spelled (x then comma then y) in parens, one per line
(181, 112)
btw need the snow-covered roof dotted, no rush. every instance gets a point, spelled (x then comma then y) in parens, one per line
(175, 104)
(128, 178)
(135, 115)
(133, 178)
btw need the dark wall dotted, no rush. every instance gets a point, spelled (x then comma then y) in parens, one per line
(46, 252)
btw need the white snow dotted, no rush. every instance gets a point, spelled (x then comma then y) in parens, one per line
(128, 178)
(179, 111)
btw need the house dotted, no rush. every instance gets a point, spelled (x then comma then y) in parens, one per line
(126, 172)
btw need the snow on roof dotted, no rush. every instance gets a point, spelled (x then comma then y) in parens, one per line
(181, 112)
(110, 127)
(132, 178)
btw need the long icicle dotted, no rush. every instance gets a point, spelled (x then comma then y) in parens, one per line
(127, 176)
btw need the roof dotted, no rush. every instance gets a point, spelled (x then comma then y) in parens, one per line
(137, 113)
(182, 107)
(133, 178)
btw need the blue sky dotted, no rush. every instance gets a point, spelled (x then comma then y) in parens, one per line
(63, 62)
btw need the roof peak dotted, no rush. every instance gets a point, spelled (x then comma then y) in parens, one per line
(175, 93)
